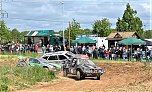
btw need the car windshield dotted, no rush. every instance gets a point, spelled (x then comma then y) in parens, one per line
(85, 61)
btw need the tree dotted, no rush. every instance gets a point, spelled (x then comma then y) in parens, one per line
(129, 22)
(21, 36)
(101, 27)
(15, 35)
(74, 28)
(84, 31)
(148, 34)
(4, 33)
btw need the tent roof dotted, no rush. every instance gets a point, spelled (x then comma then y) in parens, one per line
(40, 33)
(84, 40)
(131, 41)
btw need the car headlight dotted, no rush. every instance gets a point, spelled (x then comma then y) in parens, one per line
(100, 71)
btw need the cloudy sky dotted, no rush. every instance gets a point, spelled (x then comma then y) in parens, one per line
(55, 14)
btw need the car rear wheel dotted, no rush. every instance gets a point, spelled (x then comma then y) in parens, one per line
(78, 75)
(46, 68)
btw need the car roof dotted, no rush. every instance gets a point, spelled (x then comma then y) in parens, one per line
(81, 56)
(57, 53)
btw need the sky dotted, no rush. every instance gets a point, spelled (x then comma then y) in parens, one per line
(27, 15)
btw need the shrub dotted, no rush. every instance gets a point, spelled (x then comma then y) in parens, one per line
(3, 87)
(23, 76)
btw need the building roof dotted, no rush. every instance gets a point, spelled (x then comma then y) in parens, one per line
(121, 35)
(111, 35)
(40, 33)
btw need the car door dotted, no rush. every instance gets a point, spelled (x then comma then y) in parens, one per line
(53, 59)
(62, 58)
(73, 66)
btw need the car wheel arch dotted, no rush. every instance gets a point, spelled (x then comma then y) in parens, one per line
(79, 70)
(45, 67)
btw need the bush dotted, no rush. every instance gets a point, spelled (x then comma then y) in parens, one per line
(3, 87)
(23, 76)
(34, 74)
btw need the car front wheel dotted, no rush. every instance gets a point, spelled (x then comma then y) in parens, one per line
(78, 75)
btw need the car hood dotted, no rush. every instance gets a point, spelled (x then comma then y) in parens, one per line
(91, 66)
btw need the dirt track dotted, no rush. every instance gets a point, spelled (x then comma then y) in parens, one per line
(118, 77)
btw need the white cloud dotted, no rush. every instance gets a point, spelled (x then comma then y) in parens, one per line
(84, 11)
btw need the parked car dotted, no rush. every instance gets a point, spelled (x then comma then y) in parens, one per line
(43, 63)
(82, 67)
(58, 57)
(24, 61)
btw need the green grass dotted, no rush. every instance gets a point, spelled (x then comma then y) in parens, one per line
(14, 55)
(12, 77)
(21, 77)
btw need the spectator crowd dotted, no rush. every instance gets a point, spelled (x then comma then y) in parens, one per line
(112, 53)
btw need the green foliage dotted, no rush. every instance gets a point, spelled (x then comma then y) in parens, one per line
(7, 35)
(102, 27)
(4, 32)
(129, 22)
(33, 74)
(3, 87)
(74, 28)
(85, 31)
(15, 34)
(10, 55)
(22, 77)
(148, 34)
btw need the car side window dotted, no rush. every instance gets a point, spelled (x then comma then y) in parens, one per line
(53, 58)
(62, 57)
(31, 60)
(36, 61)
(73, 62)
(45, 57)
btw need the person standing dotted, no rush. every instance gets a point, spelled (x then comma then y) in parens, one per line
(129, 54)
(43, 49)
(107, 53)
(124, 53)
(36, 48)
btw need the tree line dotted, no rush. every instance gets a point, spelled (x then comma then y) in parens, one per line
(9, 36)
(129, 22)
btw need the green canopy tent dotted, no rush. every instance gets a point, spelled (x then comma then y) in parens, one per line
(131, 41)
(55, 40)
(84, 40)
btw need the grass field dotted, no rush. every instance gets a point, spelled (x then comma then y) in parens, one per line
(13, 78)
